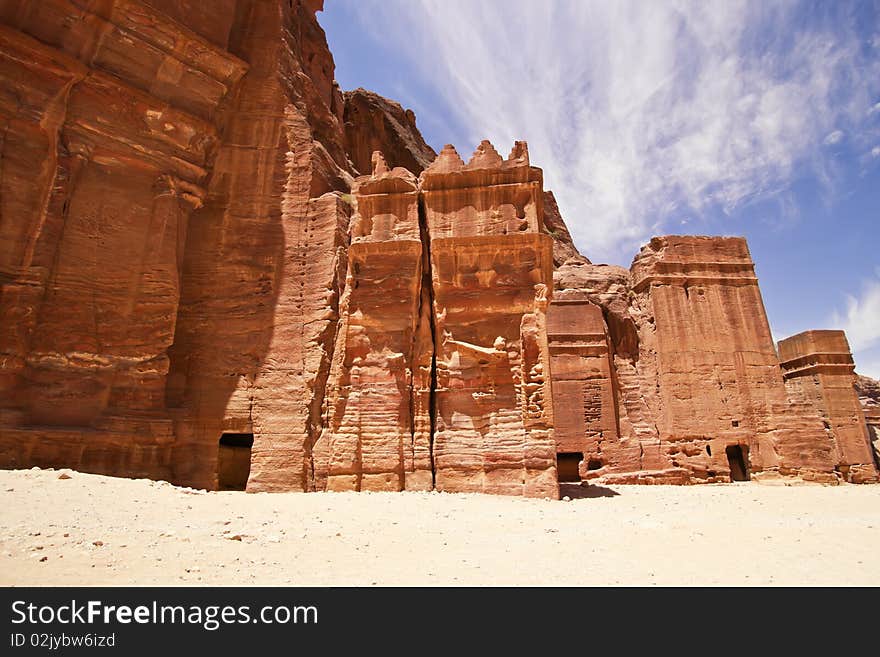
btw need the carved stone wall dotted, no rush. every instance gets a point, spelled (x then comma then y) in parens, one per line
(584, 404)
(440, 375)
(718, 376)
(105, 157)
(377, 430)
(818, 367)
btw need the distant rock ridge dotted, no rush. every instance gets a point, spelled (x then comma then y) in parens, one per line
(563, 245)
(868, 390)
(373, 123)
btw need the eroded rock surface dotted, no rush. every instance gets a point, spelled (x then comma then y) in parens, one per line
(563, 245)
(197, 284)
(440, 371)
(698, 387)
(377, 431)
(106, 157)
(171, 271)
(491, 269)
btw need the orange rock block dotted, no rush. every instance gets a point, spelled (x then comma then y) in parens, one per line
(818, 367)
(377, 424)
(491, 269)
(722, 407)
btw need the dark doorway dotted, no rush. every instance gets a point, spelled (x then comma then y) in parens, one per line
(234, 461)
(738, 460)
(567, 466)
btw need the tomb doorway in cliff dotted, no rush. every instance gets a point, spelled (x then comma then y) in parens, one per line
(234, 460)
(567, 467)
(738, 460)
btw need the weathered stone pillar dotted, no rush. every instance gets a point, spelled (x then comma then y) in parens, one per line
(818, 368)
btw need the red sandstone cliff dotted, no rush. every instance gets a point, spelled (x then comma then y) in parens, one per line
(172, 270)
(195, 286)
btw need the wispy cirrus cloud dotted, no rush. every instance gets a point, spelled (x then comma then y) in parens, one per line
(861, 321)
(644, 114)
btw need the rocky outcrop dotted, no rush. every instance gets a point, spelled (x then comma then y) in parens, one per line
(374, 123)
(699, 391)
(563, 246)
(868, 390)
(265, 264)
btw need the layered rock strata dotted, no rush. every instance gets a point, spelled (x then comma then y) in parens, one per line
(818, 367)
(106, 157)
(264, 269)
(868, 390)
(171, 271)
(377, 429)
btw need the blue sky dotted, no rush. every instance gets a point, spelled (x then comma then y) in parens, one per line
(650, 117)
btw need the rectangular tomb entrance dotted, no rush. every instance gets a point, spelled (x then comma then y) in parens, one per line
(234, 461)
(567, 464)
(738, 460)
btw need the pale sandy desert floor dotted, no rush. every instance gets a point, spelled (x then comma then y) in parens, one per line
(93, 530)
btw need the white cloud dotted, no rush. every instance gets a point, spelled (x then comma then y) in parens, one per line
(638, 111)
(861, 321)
(833, 138)
(875, 152)
(868, 366)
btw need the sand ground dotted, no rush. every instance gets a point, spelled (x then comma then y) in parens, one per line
(94, 530)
